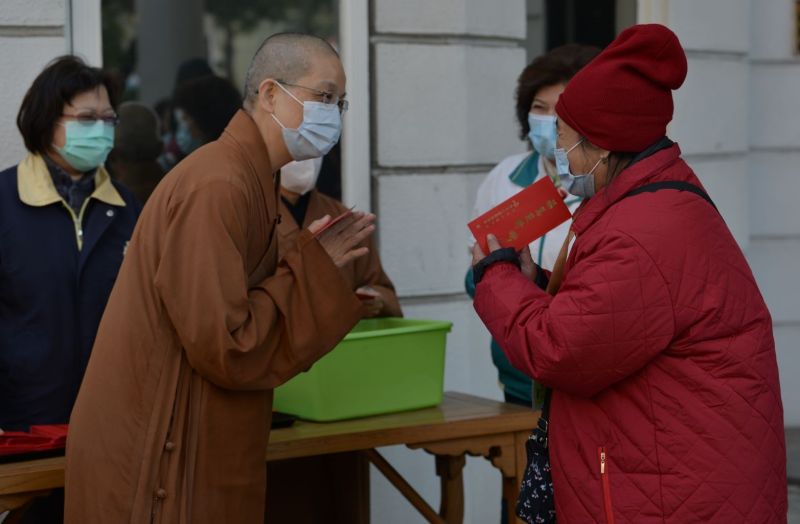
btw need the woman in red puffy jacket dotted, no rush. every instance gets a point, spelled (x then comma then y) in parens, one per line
(651, 332)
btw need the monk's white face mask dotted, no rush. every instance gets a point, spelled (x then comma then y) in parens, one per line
(318, 132)
(301, 177)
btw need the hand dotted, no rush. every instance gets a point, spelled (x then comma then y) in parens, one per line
(374, 306)
(477, 252)
(340, 241)
(527, 266)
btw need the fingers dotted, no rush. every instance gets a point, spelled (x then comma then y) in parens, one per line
(525, 255)
(360, 236)
(345, 223)
(317, 225)
(477, 254)
(350, 256)
(364, 221)
(492, 242)
(368, 290)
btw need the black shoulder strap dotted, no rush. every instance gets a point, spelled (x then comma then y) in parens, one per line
(671, 184)
(649, 188)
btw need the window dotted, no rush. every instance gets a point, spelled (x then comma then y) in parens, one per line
(552, 23)
(147, 44)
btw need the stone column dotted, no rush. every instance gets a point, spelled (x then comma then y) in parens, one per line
(774, 186)
(442, 91)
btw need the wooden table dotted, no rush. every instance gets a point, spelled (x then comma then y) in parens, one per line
(462, 425)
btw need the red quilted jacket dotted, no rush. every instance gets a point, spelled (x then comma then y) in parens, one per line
(659, 349)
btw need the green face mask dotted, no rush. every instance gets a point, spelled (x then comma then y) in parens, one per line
(87, 145)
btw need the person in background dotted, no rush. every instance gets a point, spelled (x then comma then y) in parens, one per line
(191, 69)
(137, 146)
(202, 109)
(64, 228)
(651, 333)
(301, 204)
(538, 88)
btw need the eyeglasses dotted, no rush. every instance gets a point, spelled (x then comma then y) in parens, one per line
(324, 96)
(89, 119)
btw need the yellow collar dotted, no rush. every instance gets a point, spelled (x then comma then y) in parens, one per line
(35, 185)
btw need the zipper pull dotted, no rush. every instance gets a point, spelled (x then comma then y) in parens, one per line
(603, 462)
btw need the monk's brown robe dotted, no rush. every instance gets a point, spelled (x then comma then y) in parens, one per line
(172, 419)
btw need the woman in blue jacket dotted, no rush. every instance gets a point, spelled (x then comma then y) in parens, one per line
(64, 227)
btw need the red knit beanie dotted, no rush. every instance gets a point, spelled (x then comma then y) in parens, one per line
(622, 100)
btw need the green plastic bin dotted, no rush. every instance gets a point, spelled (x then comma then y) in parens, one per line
(384, 365)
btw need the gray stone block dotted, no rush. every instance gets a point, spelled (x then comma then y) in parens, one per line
(422, 220)
(504, 19)
(787, 340)
(719, 25)
(774, 264)
(32, 13)
(774, 106)
(773, 189)
(445, 104)
(711, 108)
(773, 29)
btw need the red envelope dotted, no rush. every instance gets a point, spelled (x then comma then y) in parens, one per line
(335, 220)
(523, 218)
(38, 438)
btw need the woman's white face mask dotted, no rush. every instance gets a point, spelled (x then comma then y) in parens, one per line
(301, 176)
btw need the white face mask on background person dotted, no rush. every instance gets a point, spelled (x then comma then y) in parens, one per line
(578, 185)
(318, 132)
(301, 176)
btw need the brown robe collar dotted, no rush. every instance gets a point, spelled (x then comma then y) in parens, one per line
(243, 131)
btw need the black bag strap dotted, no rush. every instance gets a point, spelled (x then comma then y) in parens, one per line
(545, 416)
(544, 419)
(671, 184)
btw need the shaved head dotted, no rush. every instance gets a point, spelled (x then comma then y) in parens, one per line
(286, 57)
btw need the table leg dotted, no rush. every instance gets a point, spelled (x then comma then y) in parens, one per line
(404, 487)
(520, 462)
(449, 468)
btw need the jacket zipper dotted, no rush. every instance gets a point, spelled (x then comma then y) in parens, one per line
(601, 451)
(77, 221)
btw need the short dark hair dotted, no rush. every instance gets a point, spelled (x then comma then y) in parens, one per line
(211, 101)
(556, 66)
(56, 86)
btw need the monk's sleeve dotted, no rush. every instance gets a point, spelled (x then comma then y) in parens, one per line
(241, 337)
(369, 272)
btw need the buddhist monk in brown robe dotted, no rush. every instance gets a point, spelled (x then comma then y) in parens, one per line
(325, 488)
(301, 203)
(172, 419)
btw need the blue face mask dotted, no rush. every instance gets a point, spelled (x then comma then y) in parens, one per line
(577, 185)
(184, 139)
(87, 145)
(542, 134)
(318, 132)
